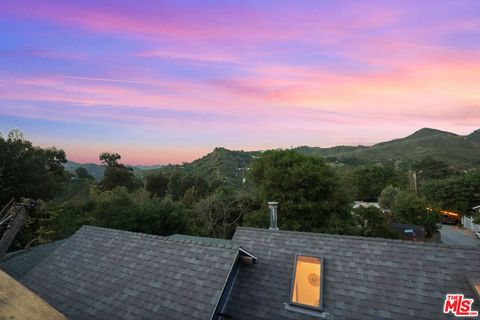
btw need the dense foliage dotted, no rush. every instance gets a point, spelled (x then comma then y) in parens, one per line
(408, 208)
(373, 222)
(311, 197)
(457, 193)
(314, 194)
(27, 170)
(117, 174)
(371, 180)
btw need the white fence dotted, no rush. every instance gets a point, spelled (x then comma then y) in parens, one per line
(468, 224)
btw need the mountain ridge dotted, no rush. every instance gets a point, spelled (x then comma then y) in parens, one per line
(459, 152)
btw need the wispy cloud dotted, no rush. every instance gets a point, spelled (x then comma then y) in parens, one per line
(105, 80)
(241, 74)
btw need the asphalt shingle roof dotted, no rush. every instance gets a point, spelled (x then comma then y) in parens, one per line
(109, 274)
(19, 263)
(201, 240)
(364, 278)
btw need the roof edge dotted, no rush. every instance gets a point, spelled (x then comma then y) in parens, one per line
(224, 285)
(161, 238)
(372, 239)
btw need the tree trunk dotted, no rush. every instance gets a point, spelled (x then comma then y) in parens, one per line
(16, 223)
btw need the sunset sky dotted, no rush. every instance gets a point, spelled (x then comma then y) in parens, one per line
(166, 82)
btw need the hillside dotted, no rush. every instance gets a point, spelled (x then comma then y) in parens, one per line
(474, 136)
(460, 152)
(327, 152)
(219, 165)
(93, 169)
(97, 170)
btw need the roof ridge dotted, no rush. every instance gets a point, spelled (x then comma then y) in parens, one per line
(370, 239)
(202, 243)
(146, 235)
(161, 238)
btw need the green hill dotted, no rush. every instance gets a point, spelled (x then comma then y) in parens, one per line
(219, 165)
(474, 136)
(93, 169)
(97, 170)
(460, 152)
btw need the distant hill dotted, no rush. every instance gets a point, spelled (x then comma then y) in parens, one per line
(93, 169)
(219, 165)
(97, 170)
(460, 152)
(325, 152)
(474, 136)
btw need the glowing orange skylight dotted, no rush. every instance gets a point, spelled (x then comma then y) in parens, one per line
(307, 282)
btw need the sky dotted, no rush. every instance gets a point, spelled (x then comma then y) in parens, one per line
(167, 81)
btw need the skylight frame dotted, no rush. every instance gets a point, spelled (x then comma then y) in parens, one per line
(294, 274)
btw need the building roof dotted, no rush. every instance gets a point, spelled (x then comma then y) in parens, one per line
(365, 204)
(21, 262)
(365, 278)
(17, 302)
(201, 240)
(102, 273)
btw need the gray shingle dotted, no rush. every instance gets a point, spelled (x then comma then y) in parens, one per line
(102, 273)
(365, 278)
(19, 263)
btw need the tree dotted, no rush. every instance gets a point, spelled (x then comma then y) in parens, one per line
(157, 184)
(431, 168)
(409, 208)
(370, 181)
(387, 197)
(116, 174)
(27, 170)
(220, 213)
(176, 184)
(308, 191)
(82, 173)
(110, 159)
(373, 223)
(198, 184)
(175, 188)
(450, 194)
(458, 193)
(139, 212)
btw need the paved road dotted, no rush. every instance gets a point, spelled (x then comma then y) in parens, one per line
(455, 235)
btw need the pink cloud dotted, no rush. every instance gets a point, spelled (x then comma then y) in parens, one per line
(238, 22)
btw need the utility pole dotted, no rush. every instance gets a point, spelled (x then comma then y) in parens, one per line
(244, 178)
(414, 175)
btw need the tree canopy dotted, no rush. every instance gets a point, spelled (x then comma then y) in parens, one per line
(370, 181)
(27, 170)
(116, 174)
(310, 196)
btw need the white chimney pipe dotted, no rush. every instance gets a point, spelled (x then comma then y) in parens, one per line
(272, 206)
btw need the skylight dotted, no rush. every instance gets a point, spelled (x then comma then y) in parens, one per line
(307, 282)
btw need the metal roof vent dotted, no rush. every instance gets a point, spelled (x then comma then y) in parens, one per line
(272, 206)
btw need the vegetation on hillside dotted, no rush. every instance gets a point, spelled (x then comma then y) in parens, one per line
(215, 194)
(311, 197)
(458, 152)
